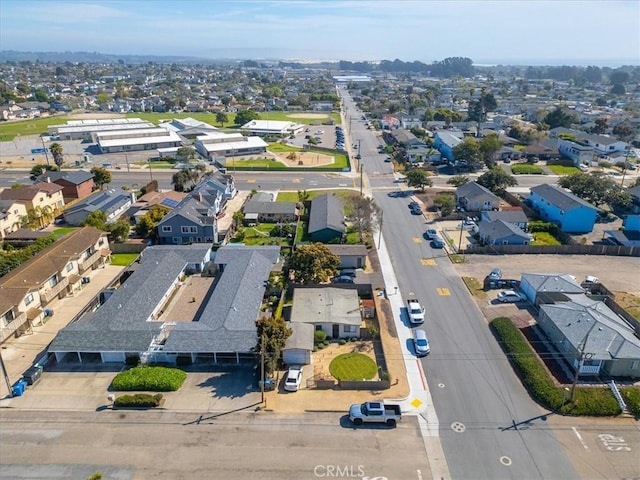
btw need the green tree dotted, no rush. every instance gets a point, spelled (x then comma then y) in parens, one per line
(41, 169)
(595, 189)
(469, 150)
(97, 219)
(102, 98)
(624, 131)
(101, 176)
(600, 126)
(222, 118)
(56, 151)
(186, 153)
(618, 89)
(446, 204)
(245, 116)
(557, 118)
(313, 263)
(119, 230)
(489, 146)
(272, 335)
(497, 180)
(418, 178)
(41, 95)
(458, 180)
(148, 223)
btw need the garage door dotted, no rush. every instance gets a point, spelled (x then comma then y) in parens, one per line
(296, 357)
(113, 357)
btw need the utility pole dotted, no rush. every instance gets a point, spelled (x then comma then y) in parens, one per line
(46, 155)
(361, 177)
(626, 162)
(581, 362)
(380, 228)
(6, 375)
(461, 230)
(150, 170)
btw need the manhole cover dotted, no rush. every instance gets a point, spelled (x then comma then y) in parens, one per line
(506, 461)
(458, 427)
(441, 385)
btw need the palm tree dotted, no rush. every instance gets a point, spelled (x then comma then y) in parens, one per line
(56, 151)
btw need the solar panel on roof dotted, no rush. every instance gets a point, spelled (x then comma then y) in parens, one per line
(169, 202)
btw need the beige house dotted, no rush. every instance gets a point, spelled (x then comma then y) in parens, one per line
(11, 213)
(44, 200)
(55, 272)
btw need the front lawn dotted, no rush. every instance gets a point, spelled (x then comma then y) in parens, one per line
(353, 366)
(150, 379)
(259, 235)
(564, 169)
(544, 238)
(525, 169)
(61, 232)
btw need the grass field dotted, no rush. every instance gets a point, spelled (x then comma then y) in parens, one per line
(259, 235)
(9, 130)
(60, 232)
(527, 169)
(353, 366)
(545, 238)
(123, 259)
(563, 169)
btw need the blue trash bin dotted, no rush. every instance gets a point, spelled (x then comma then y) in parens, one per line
(18, 388)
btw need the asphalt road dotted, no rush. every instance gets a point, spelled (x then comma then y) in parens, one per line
(140, 445)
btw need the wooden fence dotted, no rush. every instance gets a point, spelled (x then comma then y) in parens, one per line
(612, 250)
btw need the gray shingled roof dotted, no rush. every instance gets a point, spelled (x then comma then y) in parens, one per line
(327, 211)
(355, 250)
(511, 216)
(552, 282)
(559, 197)
(72, 176)
(590, 322)
(301, 336)
(107, 201)
(273, 208)
(472, 190)
(500, 229)
(326, 305)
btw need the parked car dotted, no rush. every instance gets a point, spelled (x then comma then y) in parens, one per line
(344, 279)
(387, 160)
(432, 233)
(416, 210)
(437, 242)
(421, 343)
(294, 379)
(375, 412)
(496, 274)
(510, 296)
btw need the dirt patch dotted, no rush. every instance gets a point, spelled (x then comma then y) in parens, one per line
(305, 159)
(630, 302)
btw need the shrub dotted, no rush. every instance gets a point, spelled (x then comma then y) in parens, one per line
(155, 379)
(588, 401)
(319, 336)
(342, 341)
(631, 397)
(539, 226)
(138, 400)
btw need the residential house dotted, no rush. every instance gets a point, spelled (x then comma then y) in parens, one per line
(553, 204)
(578, 152)
(134, 322)
(297, 350)
(75, 184)
(590, 337)
(513, 215)
(24, 237)
(326, 220)
(142, 205)
(539, 287)
(473, 197)
(500, 232)
(629, 236)
(54, 272)
(635, 198)
(12, 213)
(334, 310)
(114, 203)
(604, 145)
(43, 199)
(541, 151)
(351, 256)
(445, 140)
(257, 210)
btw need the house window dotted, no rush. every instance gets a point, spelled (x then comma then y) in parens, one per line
(561, 212)
(318, 328)
(166, 228)
(634, 365)
(350, 329)
(53, 281)
(69, 266)
(189, 229)
(28, 299)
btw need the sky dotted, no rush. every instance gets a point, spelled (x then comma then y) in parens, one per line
(538, 32)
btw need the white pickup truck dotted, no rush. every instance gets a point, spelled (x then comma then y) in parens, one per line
(375, 412)
(415, 311)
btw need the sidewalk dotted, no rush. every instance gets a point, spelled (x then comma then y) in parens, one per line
(21, 353)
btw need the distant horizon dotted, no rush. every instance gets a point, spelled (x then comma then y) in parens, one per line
(526, 32)
(610, 63)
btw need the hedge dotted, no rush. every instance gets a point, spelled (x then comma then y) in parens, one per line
(631, 397)
(534, 376)
(154, 379)
(523, 169)
(138, 400)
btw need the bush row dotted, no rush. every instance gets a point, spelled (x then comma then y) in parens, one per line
(534, 376)
(154, 379)
(631, 397)
(138, 400)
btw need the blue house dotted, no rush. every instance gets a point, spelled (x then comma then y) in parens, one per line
(445, 141)
(556, 205)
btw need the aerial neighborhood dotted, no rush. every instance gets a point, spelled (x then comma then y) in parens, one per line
(253, 217)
